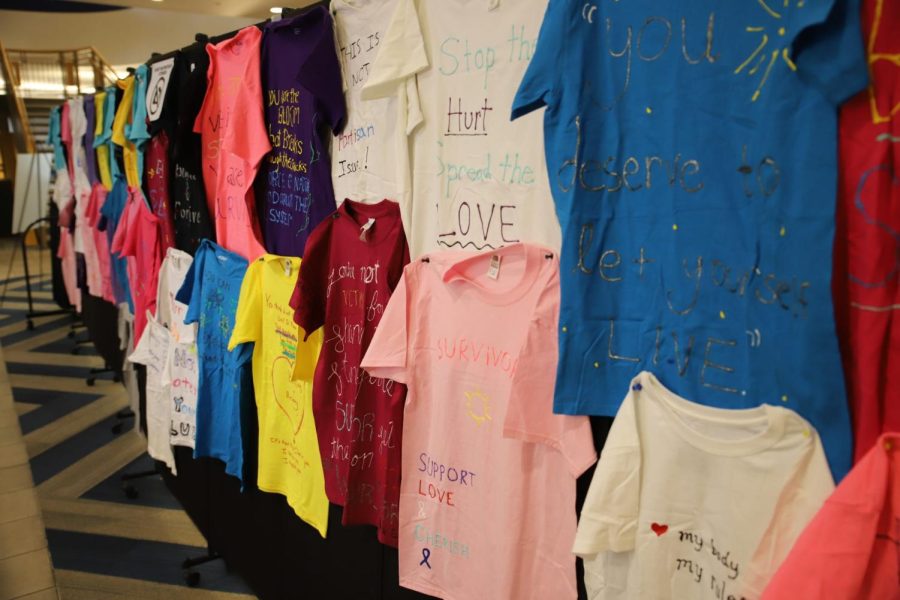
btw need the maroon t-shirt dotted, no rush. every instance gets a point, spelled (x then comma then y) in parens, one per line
(351, 264)
(156, 181)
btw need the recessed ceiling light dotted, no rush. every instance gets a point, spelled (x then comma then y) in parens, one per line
(157, 0)
(275, 10)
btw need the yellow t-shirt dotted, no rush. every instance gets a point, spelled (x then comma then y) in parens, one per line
(102, 150)
(119, 138)
(289, 459)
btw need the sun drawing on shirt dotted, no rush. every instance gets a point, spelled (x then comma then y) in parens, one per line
(764, 57)
(482, 413)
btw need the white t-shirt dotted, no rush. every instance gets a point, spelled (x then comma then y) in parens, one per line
(153, 351)
(82, 185)
(126, 343)
(690, 501)
(370, 158)
(478, 180)
(181, 371)
(169, 311)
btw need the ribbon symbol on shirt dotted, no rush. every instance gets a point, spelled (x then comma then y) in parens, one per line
(425, 554)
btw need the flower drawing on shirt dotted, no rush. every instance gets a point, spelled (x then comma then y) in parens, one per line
(764, 53)
(478, 406)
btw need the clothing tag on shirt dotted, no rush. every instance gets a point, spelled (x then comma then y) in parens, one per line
(287, 268)
(364, 230)
(494, 270)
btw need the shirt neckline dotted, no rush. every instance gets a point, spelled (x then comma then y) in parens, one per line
(356, 214)
(268, 258)
(678, 408)
(454, 272)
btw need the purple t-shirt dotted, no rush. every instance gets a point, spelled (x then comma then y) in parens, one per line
(301, 106)
(90, 156)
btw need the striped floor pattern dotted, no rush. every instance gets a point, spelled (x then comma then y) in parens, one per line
(102, 543)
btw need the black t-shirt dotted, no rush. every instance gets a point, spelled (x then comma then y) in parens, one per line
(191, 216)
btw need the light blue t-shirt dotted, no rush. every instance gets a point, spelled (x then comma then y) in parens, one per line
(54, 133)
(692, 154)
(110, 215)
(211, 289)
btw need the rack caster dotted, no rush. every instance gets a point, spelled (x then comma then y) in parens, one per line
(191, 578)
(130, 491)
(30, 325)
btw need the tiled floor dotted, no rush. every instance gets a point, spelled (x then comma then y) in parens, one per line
(60, 489)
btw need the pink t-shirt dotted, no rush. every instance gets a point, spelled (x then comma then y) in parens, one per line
(91, 260)
(141, 242)
(101, 244)
(487, 498)
(234, 140)
(849, 551)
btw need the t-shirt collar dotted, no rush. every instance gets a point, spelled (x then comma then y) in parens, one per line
(455, 271)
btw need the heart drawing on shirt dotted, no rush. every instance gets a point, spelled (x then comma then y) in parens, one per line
(659, 529)
(287, 393)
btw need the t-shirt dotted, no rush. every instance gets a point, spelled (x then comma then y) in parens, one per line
(479, 181)
(692, 158)
(189, 207)
(100, 143)
(153, 351)
(137, 131)
(234, 140)
(690, 501)
(182, 369)
(352, 263)
(99, 275)
(303, 98)
(110, 216)
(370, 157)
(78, 165)
(156, 180)
(131, 156)
(90, 115)
(105, 137)
(289, 460)
(865, 283)
(849, 550)
(142, 241)
(93, 268)
(54, 138)
(210, 291)
(487, 499)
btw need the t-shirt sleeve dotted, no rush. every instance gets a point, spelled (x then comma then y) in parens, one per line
(610, 514)
(248, 137)
(248, 319)
(829, 52)
(801, 498)
(387, 353)
(118, 240)
(311, 291)
(529, 413)
(189, 293)
(831, 556)
(321, 75)
(141, 354)
(400, 55)
(539, 85)
(123, 112)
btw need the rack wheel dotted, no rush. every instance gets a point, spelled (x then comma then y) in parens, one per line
(130, 491)
(75, 350)
(117, 378)
(91, 381)
(116, 429)
(191, 578)
(71, 334)
(30, 325)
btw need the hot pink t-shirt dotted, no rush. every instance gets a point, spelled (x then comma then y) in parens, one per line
(850, 550)
(101, 244)
(141, 242)
(487, 498)
(234, 140)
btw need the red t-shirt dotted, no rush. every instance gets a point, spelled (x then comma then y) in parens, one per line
(346, 278)
(156, 179)
(866, 282)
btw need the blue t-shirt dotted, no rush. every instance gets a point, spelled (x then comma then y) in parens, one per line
(110, 215)
(211, 289)
(137, 132)
(53, 138)
(691, 149)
